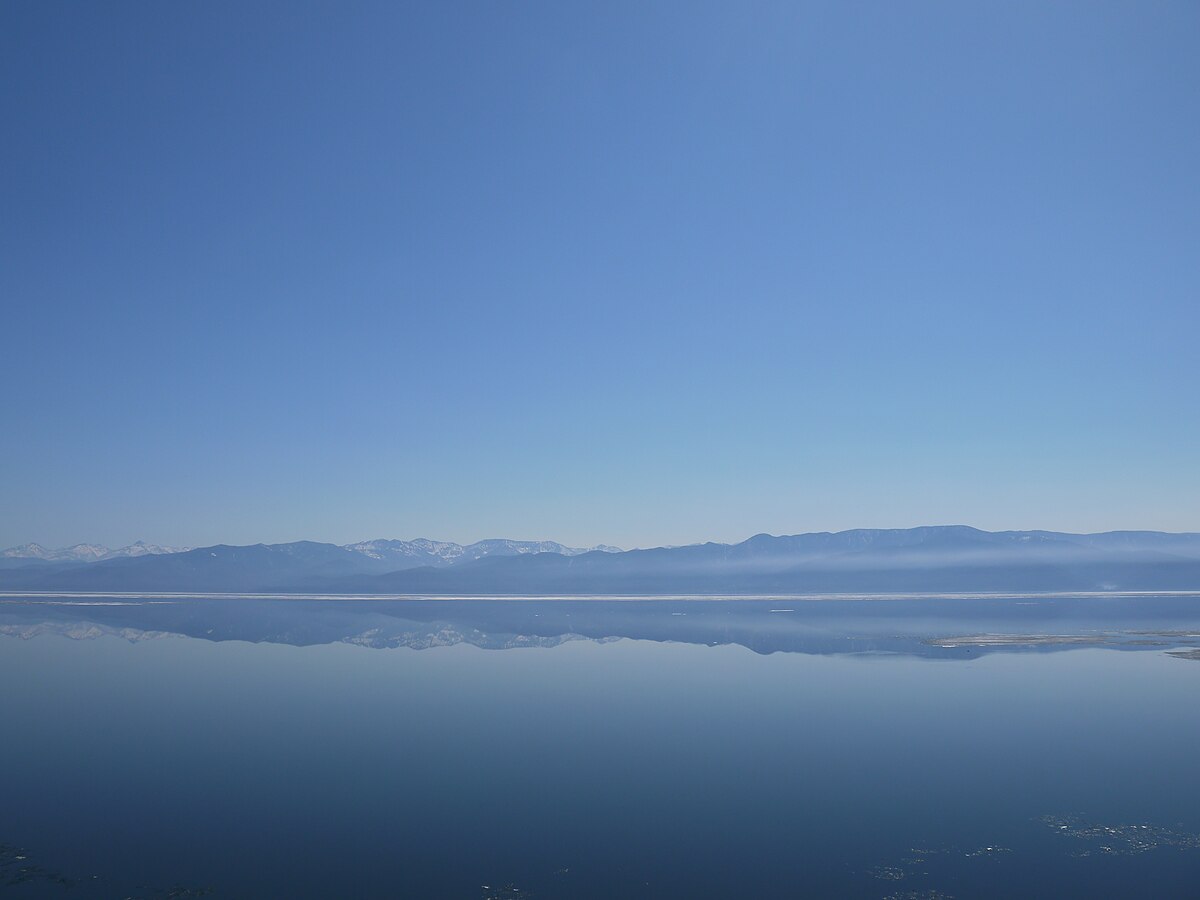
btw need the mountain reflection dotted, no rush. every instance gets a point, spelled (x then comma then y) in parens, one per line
(933, 627)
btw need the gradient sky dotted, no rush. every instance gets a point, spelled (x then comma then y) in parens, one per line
(615, 272)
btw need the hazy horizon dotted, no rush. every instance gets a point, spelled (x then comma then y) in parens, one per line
(577, 545)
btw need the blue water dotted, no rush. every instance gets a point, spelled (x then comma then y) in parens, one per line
(476, 749)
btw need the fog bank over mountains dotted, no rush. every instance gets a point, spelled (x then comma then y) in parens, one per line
(951, 558)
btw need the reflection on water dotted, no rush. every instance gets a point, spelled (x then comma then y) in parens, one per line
(1119, 839)
(20, 872)
(937, 627)
(17, 867)
(250, 747)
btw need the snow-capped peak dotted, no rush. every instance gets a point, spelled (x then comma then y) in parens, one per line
(85, 552)
(423, 551)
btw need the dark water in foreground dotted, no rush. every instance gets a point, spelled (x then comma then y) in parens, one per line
(1041, 747)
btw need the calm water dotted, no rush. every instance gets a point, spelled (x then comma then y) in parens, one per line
(853, 748)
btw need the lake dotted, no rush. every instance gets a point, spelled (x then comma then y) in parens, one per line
(908, 747)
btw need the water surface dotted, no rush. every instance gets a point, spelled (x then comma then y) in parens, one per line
(784, 747)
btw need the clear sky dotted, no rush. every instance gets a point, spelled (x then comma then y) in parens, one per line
(633, 273)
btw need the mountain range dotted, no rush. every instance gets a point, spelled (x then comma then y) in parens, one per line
(935, 559)
(257, 567)
(82, 552)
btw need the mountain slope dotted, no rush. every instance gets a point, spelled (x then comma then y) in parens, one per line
(424, 552)
(259, 567)
(946, 558)
(929, 559)
(84, 553)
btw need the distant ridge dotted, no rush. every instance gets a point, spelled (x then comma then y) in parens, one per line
(445, 553)
(419, 552)
(945, 558)
(86, 552)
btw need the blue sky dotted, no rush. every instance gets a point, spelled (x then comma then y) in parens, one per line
(616, 272)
